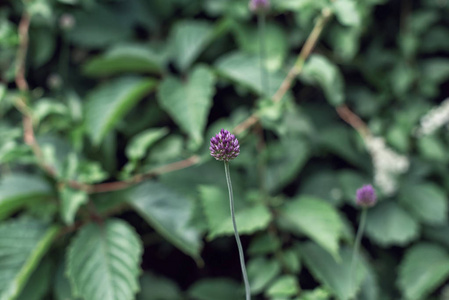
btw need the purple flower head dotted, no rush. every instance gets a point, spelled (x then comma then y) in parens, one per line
(224, 146)
(366, 196)
(259, 5)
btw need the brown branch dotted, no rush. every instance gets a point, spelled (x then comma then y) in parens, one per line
(119, 185)
(306, 50)
(352, 119)
(24, 26)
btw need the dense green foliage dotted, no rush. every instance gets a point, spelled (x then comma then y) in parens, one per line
(107, 187)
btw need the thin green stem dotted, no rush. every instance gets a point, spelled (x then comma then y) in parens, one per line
(263, 72)
(355, 251)
(236, 233)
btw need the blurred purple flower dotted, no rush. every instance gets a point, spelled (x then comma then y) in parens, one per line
(366, 196)
(224, 146)
(259, 5)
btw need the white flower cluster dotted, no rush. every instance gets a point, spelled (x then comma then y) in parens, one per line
(387, 164)
(434, 119)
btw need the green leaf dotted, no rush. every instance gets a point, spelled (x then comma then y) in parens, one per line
(261, 272)
(217, 289)
(169, 213)
(347, 12)
(317, 219)
(158, 288)
(245, 70)
(319, 69)
(103, 261)
(284, 286)
(139, 144)
(22, 244)
(189, 104)
(388, 224)
(335, 275)
(216, 208)
(39, 282)
(71, 200)
(189, 39)
(285, 160)
(62, 289)
(424, 267)
(123, 59)
(427, 201)
(107, 104)
(18, 190)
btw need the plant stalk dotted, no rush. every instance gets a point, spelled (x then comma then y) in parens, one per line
(237, 238)
(355, 251)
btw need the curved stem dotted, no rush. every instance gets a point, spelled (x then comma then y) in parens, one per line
(263, 72)
(237, 238)
(355, 251)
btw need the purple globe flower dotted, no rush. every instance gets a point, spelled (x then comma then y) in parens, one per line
(366, 196)
(224, 146)
(259, 5)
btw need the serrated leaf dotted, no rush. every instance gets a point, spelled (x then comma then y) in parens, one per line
(322, 71)
(189, 39)
(103, 261)
(427, 201)
(216, 208)
(424, 267)
(189, 104)
(284, 286)
(245, 70)
(169, 213)
(139, 144)
(107, 104)
(389, 224)
(22, 244)
(347, 12)
(122, 59)
(17, 190)
(61, 286)
(71, 200)
(217, 289)
(261, 272)
(317, 219)
(335, 275)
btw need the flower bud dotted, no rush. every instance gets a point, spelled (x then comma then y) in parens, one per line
(224, 146)
(366, 196)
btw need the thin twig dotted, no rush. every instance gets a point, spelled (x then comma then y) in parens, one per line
(24, 26)
(352, 119)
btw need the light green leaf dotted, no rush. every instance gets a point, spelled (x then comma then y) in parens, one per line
(22, 245)
(317, 219)
(285, 159)
(335, 275)
(284, 286)
(62, 289)
(189, 39)
(427, 201)
(217, 289)
(123, 59)
(245, 70)
(107, 104)
(103, 261)
(169, 213)
(388, 224)
(261, 272)
(216, 208)
(17, 190)
(189, 104)
(158, 288)
(347, 12)
(424, 267)
(322, 71)
(139, 144)
(71, 200)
